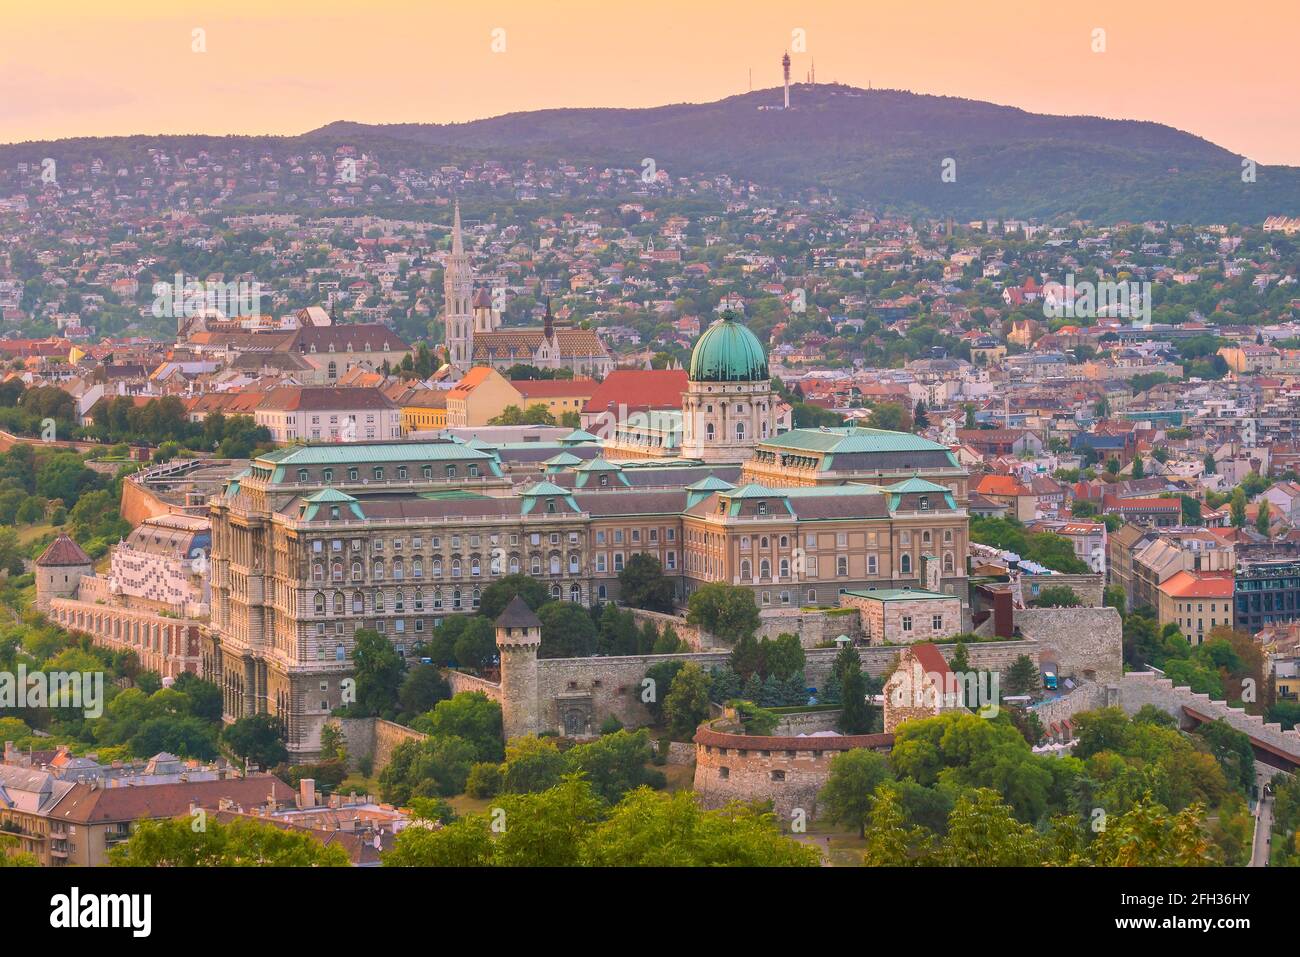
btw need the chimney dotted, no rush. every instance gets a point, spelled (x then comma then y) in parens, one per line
(307, 793)
(1003, 623)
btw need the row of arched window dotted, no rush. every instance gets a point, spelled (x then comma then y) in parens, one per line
(399, 602)
(471, 567)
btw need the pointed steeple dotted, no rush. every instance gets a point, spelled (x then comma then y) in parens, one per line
(457, 239)
(548, 328)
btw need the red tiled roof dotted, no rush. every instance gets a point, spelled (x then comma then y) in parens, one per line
(554, 388)
(63, 551)
(91, 805)
(639, 389)
(931, 659)
(1000, 485)
(1186, 584)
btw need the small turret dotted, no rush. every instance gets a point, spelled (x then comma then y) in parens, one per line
(59, 570)
(519, 635)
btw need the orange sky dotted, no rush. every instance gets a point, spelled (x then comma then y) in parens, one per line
(1225, 71)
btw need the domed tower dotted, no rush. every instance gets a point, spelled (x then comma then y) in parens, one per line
(519, 635)
(729, 406)
(59, 570)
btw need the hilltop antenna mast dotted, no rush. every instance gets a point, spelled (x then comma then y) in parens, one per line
(785, 67)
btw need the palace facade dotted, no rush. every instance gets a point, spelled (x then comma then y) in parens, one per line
(314, 542)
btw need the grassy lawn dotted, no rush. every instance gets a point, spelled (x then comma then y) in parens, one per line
(681, 777)
(359, 784)
(463, 804)
(843, 847)
(29, 533)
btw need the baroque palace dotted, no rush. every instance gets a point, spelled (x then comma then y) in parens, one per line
(312, 542)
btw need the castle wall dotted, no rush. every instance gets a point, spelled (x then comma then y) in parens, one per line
(613, 684)
(1140, 688)
(788, 771)
(374, 738)
(1084, 642)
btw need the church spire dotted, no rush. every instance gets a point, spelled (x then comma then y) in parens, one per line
(457, 240)
(458, 294)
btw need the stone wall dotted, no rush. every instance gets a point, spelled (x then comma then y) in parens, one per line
(1083, 642)
(1140, 688)
(374, 738)
(460, 681)
(612, 685)
(883, 620)
(813, 627)
(788, 771)
(807, 722)
(1088, 696)
(1089, 587)
(139, 503)
(697, 638)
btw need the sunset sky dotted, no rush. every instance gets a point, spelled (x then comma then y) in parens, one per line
(1223, 71)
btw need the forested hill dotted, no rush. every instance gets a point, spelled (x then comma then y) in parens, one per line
(887, 148)
(881, 148)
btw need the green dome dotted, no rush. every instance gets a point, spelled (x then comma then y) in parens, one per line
(728, 352)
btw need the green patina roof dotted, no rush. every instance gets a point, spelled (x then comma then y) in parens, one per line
(710, 483)
(350, 453)
(577, 436)
(452, 495)
(728, 352)
(598, 464)
(545, 490)
(842, 439)
(754, 490)
(563, 460)
(330, 497)
(899, 594)
(917, 484)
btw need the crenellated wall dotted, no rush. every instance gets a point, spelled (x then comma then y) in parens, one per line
(788, 771)
(1140, 688)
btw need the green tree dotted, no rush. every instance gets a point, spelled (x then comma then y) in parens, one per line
(1057, 596)
(257, 738)
(725, 611)
(687, 703)
(471, 715)
(850, 789)
(532, 764)
(1262, 524)
(983, 832)
(643, 584)
(423, 687)
(1237, 507)
(857, 716)
(615, 764)
(654, 689)
(476, 646)
(671, 830)
(567, 631)
(496, 596)
(377, 669)
(174, 842)
(891, 416)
